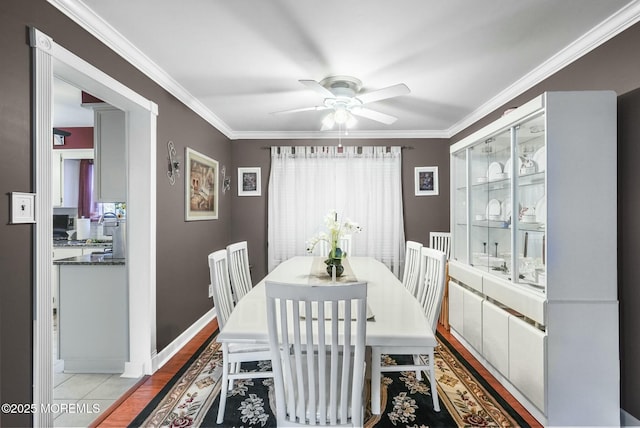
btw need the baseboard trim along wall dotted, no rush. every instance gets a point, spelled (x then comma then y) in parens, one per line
(165, 355)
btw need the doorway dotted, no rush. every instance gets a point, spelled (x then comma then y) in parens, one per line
(52, 59)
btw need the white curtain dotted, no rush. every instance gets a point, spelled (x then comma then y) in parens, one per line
(363, 184)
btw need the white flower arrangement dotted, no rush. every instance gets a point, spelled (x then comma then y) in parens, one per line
(336, 231)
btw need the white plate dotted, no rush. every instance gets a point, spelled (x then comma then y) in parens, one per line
(495, 171)
(506, 209)
(541, 210)
(507, 166)
(493, 209)
(540, 158)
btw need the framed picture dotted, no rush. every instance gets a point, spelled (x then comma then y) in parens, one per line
(249, 182)
(426, 180)
(201, 186)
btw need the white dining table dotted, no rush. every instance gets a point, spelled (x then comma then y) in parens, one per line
(397, 317)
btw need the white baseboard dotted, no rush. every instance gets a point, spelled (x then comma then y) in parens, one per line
(627, 420)
(165, 355)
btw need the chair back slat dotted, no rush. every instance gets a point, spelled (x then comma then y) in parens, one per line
(412, 266)
(219, 276)
(239, 272)
(432, 280)
(322, 328)
(441, 241)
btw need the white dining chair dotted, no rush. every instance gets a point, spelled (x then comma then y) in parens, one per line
(442, 241)
(319, 378)
(239, 272)
(411, 272)
(430, 289)
(233, 354)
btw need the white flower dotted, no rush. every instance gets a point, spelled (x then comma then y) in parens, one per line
(336, 231)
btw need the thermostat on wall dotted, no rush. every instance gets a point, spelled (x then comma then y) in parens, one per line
(23, 207)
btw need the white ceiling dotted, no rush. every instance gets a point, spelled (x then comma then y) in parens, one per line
(236, 62)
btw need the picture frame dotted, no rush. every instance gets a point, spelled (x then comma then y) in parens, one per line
(426, 180)
(249, 181)
(201, 186)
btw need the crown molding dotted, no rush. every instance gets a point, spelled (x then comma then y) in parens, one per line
(96, 26)
(612, 26)
(323, 135)
(103, 31)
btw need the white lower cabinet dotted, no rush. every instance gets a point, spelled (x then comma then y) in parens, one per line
(472, 319)
(465, 314)
(455, 306)
(527, 349)
(495, 336)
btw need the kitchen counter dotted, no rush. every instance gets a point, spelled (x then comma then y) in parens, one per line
(82, 243)
(102, 259)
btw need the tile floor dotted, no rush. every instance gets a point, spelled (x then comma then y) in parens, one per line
(80, 398)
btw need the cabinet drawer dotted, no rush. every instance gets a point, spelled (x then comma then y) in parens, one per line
(495, 336)
(527, 350)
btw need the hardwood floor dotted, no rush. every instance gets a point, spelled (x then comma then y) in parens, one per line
(131, 404)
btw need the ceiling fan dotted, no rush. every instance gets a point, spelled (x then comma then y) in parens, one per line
(343, 97)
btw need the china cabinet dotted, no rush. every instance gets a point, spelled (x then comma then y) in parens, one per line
(533, 291)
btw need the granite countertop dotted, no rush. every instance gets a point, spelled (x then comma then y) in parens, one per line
(102, 259)
(82, 243)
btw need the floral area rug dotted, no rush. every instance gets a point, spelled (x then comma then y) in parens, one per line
(191, 398)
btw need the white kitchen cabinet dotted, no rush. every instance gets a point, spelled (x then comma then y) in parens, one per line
(66, 175)
(94, 318)
(60, 253)
(110, 178)
(533, 221)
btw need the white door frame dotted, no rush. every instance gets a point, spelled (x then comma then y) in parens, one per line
(51, 59)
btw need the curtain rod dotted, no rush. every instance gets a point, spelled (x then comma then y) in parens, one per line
(269, 147)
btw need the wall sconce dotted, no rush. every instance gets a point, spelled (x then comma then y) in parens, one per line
(226, 181)
(174, 163)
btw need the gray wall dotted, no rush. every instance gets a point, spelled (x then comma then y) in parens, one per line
(182, 275)
(423, 214)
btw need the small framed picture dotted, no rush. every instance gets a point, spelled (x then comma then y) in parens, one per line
(249, 182)
(201, 187)
(426, 180)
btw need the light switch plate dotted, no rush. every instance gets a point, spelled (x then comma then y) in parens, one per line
(23, 207)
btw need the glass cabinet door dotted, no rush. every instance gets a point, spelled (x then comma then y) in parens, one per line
(531, 198)
(490, 204)
(499, 203)
(460, 212)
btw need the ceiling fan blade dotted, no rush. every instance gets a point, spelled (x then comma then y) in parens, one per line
(374, 115)
(384, 93)
(296, 110)
(312, 84)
